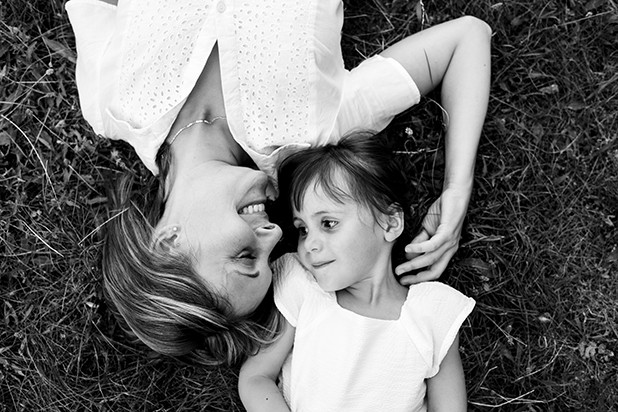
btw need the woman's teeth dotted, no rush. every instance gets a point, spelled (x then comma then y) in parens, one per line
(253, 209)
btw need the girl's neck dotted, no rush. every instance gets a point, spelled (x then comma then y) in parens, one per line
(379, 296)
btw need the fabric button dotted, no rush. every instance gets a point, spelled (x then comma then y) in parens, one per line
(221, 7)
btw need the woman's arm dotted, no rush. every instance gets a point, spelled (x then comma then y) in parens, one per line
(447, 390)
(257, 380)
(456, 54)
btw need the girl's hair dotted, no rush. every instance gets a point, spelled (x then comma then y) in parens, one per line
(158, 296)
(372, 176)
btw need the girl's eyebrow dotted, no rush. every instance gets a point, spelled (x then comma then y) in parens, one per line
(327, 212)
(318, 213)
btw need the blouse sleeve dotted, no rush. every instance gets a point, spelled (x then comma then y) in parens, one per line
(291, 286)
(374, 93)
(93, 23)
(436, 314)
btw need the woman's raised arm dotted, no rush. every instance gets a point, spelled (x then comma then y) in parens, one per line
(457, 55)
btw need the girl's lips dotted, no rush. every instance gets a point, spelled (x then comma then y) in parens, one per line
(320, 265)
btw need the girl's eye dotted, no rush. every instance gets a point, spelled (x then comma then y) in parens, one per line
(329, 224)
(302, 231)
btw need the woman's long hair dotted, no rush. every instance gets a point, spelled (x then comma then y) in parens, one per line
(156, 293)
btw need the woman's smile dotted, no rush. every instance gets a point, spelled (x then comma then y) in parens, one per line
(251, 209)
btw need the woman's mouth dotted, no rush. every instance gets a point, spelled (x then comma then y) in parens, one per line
(251, 209)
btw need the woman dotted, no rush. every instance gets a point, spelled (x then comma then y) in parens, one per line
(212, 96)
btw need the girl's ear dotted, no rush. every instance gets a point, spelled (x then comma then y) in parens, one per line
(166, 238)
(394, 223)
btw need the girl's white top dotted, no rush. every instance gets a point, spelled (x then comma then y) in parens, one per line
(284, 82)
(346, 362)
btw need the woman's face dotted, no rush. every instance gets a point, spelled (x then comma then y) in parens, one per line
(222, 224)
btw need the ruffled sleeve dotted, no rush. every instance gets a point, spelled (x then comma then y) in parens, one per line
(434, 314)
(374, 93)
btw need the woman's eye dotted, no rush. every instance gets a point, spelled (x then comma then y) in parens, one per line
(329, 224)
(246, 257)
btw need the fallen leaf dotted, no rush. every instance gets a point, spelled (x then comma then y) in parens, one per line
(60, 49)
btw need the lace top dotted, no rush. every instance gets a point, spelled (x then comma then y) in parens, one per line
(281, 66)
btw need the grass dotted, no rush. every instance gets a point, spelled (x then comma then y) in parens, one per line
(539, 251)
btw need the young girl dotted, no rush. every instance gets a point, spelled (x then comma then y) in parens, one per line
(361, 340)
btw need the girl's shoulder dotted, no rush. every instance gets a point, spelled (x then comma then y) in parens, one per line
(290, 276)
(432, 316)
(433, 292)
(431, 306)
(295, 289)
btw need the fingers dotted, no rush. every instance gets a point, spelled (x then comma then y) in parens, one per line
(421, 237)
(434, 262)
(423, 244)
(423, 252)
(431, 273)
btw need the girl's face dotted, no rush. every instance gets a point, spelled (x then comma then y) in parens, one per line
(222, 225)
(341, 244)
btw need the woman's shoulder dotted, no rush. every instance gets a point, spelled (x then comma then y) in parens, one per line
(91, 4)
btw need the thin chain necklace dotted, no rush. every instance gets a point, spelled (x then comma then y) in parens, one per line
(193, 123)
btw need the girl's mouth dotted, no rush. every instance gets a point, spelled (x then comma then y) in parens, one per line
(320, 265)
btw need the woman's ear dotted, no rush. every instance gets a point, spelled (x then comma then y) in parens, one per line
(166, 238)
(394, 223)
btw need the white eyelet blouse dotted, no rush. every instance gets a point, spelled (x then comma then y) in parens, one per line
(284, 82)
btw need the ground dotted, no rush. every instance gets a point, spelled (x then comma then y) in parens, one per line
(539, 250)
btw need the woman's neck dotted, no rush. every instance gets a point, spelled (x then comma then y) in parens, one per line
(203, 143)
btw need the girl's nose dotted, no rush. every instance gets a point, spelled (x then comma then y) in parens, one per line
(312, 243)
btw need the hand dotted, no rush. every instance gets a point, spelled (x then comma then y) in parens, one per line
(438, 241)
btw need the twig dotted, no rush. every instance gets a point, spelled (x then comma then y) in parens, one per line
(507, 402)
(96, 229)
(41, 239)
(35, 151)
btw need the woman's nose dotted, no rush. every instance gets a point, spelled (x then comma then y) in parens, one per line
(269, 234)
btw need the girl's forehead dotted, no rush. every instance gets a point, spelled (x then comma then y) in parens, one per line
(319, 196)
(328, 185)
(335, 189)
